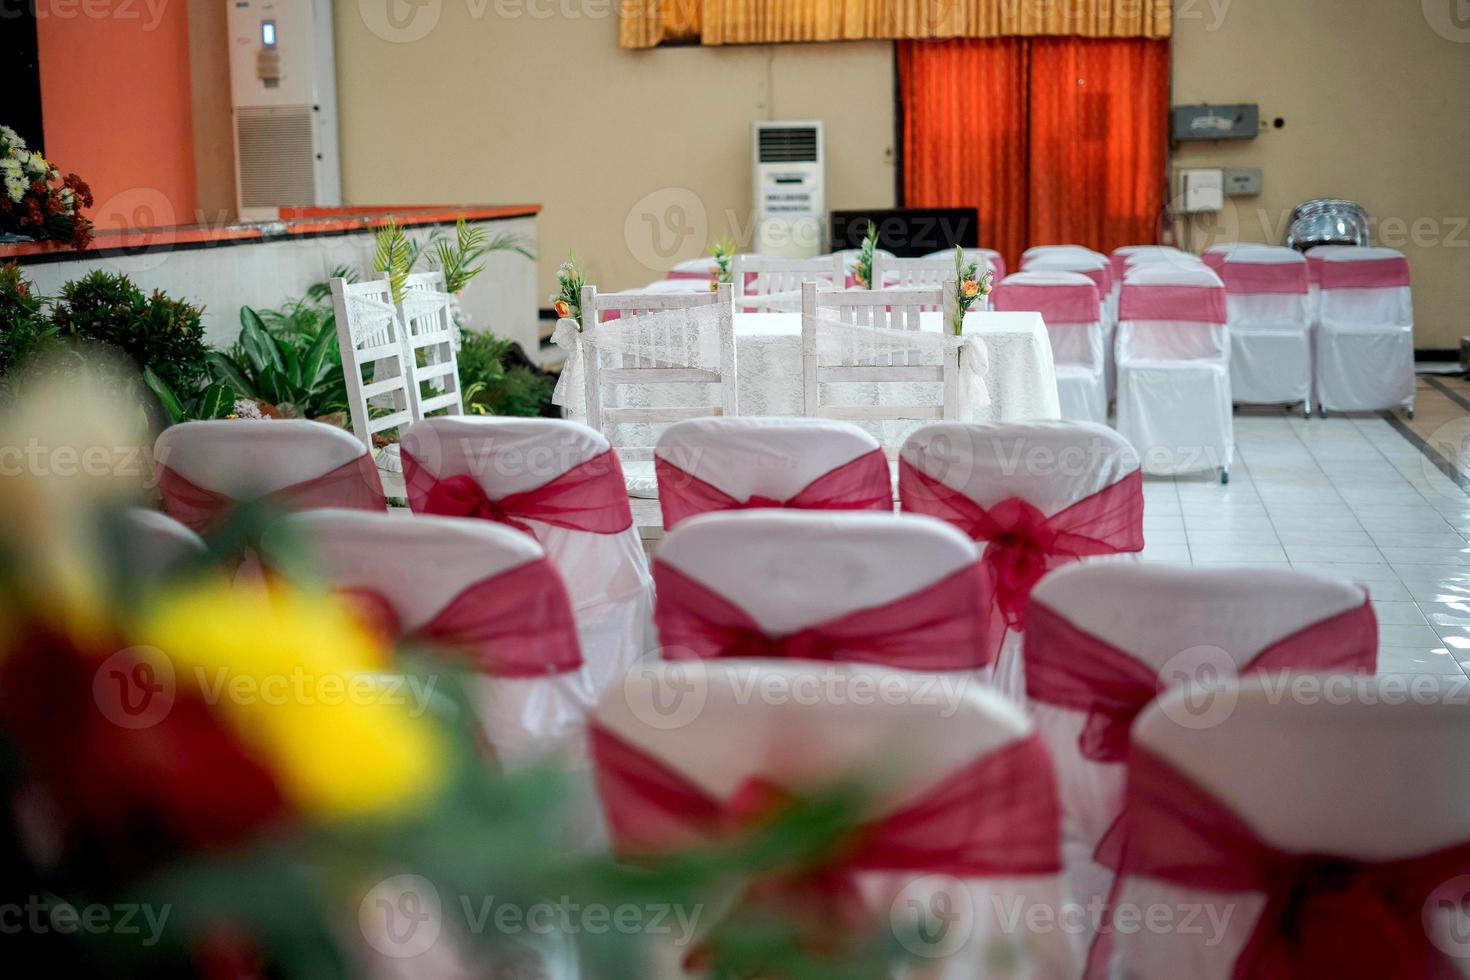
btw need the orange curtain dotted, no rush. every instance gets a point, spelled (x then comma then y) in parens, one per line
(1052, 139)
(1099, 135)
(964, 133)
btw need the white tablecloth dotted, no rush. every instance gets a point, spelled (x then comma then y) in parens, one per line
(1020, 380)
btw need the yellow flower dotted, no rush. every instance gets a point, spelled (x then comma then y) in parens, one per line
(294, 676)
(969, 288)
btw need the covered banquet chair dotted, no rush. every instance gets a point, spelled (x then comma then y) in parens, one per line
(954, 809)
(1103, 639)
(1034, 496)
(1270, 326)
(1174, 401)
(1335, 828)
(484, 594)
(1073, 308)
(205, 469)
(751, 462)
(561, 483)
(1365, 332)
(906, 592)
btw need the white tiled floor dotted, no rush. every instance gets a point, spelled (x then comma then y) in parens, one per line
(1347, 495)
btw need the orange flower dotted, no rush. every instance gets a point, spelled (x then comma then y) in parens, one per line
(985, 289)
(562, 308)
(969, 288)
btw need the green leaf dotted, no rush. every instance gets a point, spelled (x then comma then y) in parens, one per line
(292, 367)
(166, 397)
(314, 364)
(275, 387)
(216, 402)
(224, 370)
(260, 349)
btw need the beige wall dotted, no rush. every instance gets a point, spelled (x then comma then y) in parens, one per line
(618, 144)
(640, 159)
(1375, 108)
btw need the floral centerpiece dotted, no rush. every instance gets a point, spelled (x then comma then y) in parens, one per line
(864, 271)
(724, 253)
(38, 201)
(970, 285)
(567, 300)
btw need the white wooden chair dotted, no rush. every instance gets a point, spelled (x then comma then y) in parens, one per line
(427, 316)
(647, 342)
(878, 319)
(931, 271)
(779, 280)
(369, 332)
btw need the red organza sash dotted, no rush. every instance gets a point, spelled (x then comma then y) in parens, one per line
(1021, 543)
(1057, 303)
(1365, 273)
(1325, 916)
(1073, 669)
(515, 624)
(997, 816)
(590, 496)
(1184, 304)
(861, 484)
(939, 627)
(354, 485)
(1264, 277)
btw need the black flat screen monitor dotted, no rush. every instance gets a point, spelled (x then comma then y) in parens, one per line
(908, 232)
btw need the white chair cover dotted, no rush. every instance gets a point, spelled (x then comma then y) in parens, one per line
(1050, 465)
(248, 459)
(606, 574)
(1370, 774)
(1174, 401)
(420, 563)
(774, 458)
(1315, 256)
(155, 544)
(793, 569)
(1270, 329)
(1365, 341)
(1182, 623)
(1078, 346)
(738, 723)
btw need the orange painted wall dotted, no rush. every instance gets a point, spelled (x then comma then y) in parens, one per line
(115, 106)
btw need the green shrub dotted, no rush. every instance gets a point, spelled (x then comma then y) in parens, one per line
(158, 333)
(24, 327)
(493, 384)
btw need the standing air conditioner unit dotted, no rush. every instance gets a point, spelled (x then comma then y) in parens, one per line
(789, 188)
(284, 92)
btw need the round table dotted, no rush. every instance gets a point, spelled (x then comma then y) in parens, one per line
(1020, 379)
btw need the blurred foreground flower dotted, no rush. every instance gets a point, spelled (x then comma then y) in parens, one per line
(294, 677)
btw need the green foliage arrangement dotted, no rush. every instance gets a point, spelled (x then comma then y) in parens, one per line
(156, 332)
(493, 385)
(24, 326)
(864, 271)
(457, 257)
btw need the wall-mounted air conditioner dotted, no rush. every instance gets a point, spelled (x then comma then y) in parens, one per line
(284, 93)
(788, 188)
